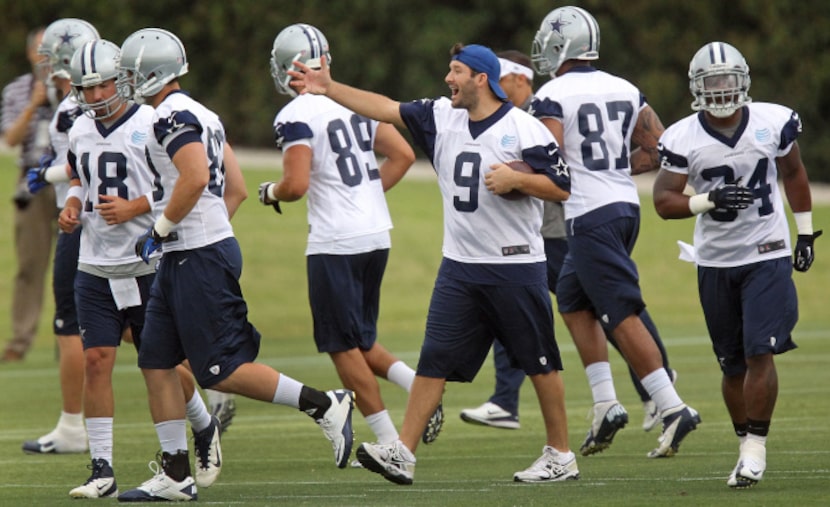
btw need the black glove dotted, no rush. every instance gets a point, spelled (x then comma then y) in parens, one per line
(732, 196)
(264, 199)
(804, 253)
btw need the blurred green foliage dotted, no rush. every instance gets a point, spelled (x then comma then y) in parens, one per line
(400, 48)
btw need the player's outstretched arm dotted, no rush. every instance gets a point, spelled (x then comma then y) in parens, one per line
(363, 102)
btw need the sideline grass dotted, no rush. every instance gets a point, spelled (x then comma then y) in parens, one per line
(274, 456)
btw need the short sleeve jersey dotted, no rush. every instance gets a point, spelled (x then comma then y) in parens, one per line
(347, 211)
(178, 121)
(725, 238)
(479, 226)
(111, 161)
(598, 112)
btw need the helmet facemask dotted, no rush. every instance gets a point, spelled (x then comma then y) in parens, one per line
(719, 80)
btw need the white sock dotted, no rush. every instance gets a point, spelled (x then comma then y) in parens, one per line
(74, 422)
(288, 391)
(662, 392)
(401, 374)
(197, 413)
(99, 430)
(601, 381)
(172, 435)
(383, 427)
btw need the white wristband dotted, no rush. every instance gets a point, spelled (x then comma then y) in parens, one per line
(56, 173)
(804, 222)
(270, 192)
(163, 226)
(76, 192)
(700, 203)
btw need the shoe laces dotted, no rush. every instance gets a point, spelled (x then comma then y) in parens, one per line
(97, 467)
(201, 444)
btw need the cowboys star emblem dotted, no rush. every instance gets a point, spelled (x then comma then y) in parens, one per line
(557, 24)
(66, 37)
(560, 168)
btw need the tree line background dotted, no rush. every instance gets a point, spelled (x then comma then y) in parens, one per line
(400, 48)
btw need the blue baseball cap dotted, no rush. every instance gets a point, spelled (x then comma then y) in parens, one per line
(482, 59)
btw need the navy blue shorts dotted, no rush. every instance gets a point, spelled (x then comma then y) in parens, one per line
(196, 311)
(464, 318)
(64, 267)
(103, 323)
(599, 274)
(750, 310)
(555, 251)
(344, 293)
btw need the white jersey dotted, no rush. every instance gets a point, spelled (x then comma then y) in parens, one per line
(65, 115)
(177, 121)
(111, 161)
(734, 238)
(479, 226)
(347, 211)
(598, 112)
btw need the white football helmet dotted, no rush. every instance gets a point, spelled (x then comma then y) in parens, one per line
(719, 80)
(299, 42)
(94, 63)
(150, 58)
(566, 33)
(60, 41)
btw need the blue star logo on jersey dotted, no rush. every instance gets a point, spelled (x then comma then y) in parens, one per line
(557, 24)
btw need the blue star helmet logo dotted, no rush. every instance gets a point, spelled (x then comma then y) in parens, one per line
(557, 24)
(67, 37)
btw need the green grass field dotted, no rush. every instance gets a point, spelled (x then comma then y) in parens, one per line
(276, 456)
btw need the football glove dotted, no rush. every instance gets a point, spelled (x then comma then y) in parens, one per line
(804, 253)
(151, 241)
(732, 196)
(264, 199)
(36, 176)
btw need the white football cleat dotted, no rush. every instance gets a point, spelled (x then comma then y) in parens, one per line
(101, 484)
(61, 440)
(208, 453)
(337, 425)
(393, 461)
(552, 466)
(490, 414)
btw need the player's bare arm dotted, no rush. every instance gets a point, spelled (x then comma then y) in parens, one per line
(399, 155)
(794, 178)
(669, 199)
(646, 135)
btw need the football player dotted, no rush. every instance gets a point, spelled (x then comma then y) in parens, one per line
(60, 40)
(597, 118)
(502, 409)
(328, 153)
(196, 310)
(732, 152)
(111, 194)
(492, 281)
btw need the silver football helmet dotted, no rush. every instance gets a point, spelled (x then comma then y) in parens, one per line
(94, 63)
(299, 42)
(150, 58)
(719, 80)
(566, 33)
(60, 41)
